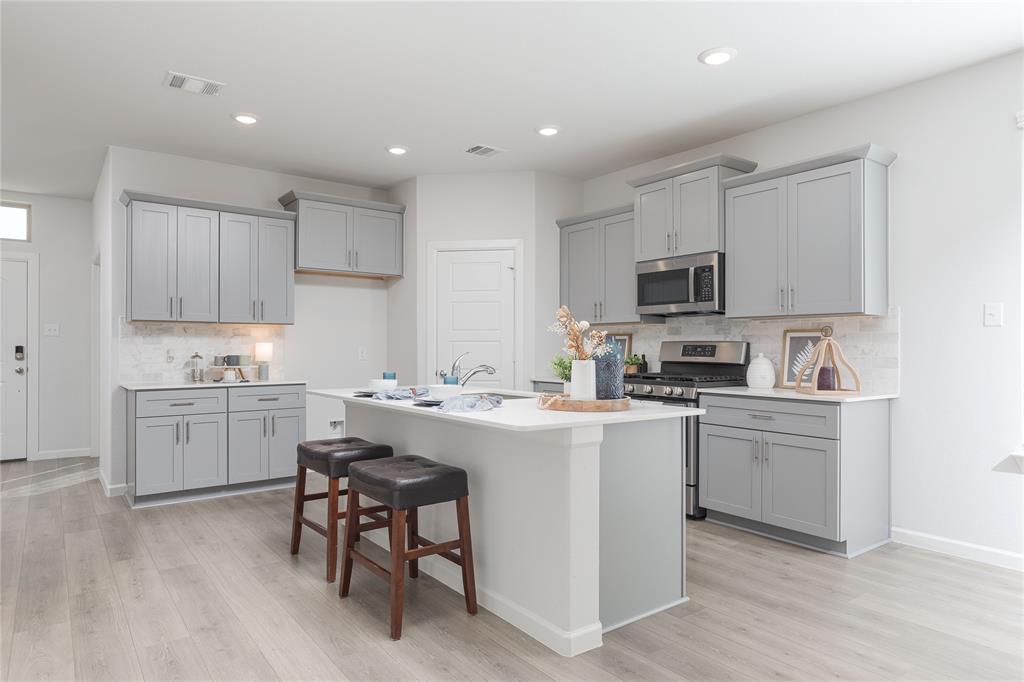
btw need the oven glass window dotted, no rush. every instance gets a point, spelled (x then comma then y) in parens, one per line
(663, 288)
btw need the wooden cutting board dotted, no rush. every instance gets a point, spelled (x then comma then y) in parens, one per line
(561, 403)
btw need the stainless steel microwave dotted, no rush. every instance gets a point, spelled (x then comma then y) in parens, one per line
(682, 285)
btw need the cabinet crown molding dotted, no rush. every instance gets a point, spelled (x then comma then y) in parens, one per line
(293, 196)
(130, 195)
(725, 160)
(868, 151)
(594, 215)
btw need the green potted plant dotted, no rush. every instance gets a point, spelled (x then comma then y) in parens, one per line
(633, 364)
(562, 365)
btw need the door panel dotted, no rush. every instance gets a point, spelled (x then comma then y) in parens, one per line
(287, 430)
(158, 455)
(377, 242)
(618, 271)
(801, 484)
(475, 304)
(697, 223)
(247, 447)
(325, 236)
(579, 275)
(14, 385)
(205, 450)
(198, 265)
(653, 214)
(826, 240)
(276, 272)
(730, 470)
(755, 236)
(239, 267)
(153, 258)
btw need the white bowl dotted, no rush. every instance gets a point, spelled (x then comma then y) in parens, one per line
(444, 391)
(383, 384)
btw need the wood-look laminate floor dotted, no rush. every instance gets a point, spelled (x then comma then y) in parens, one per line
(208, 590)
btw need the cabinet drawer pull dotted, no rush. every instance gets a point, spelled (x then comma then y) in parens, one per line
(180, 307)
(188, 432)
(263, 400)
(170, 307)
(677, 241)
(767, 417)
(357, 259)
(182, 404)
(595, 310)
(765, 444)
(792, 296)
(177, 432)
(668, 241)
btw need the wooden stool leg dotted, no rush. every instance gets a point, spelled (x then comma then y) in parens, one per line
(351, 535)
(413, 521)
(332, 529)
(397, 571)
(468, 579)
(300, 502)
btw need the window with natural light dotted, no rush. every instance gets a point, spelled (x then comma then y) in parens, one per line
(14, 221)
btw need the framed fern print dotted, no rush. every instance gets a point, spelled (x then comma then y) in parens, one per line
(797, 348)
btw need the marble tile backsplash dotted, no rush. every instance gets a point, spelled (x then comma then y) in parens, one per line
(144, 347)
(871, 344)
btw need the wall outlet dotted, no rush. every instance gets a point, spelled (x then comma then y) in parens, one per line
(170, 356)
(993, 313)
(363, 355)
(51, 329)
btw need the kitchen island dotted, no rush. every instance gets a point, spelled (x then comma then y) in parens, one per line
(577, 516)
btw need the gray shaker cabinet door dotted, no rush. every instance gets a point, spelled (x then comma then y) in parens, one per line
(580, 278)
(755, 238)
(377, 242)
(730, 470)
(618, 270)
(801, 484)
(198, 264)
(247, 446)
(287, 430)
(239, 267)
(153, 257)
(276, 272)
(206, 450)
(697, 223)
(325, 236)
(652, 210)
(826, 240)
(158, 455)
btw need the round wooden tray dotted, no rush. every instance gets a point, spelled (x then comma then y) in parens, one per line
(562, 403)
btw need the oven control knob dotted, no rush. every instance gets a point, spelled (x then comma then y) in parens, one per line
(667, 390)
(648, 389)
(678, 390)
(630, 388)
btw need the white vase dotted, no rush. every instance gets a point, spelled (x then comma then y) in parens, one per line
(761, 373)
(584, 380)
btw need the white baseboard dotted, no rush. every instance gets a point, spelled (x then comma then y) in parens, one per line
(957, 548)
(112, 490)
(61, 454)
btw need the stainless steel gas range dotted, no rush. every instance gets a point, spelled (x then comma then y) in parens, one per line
(686, 368)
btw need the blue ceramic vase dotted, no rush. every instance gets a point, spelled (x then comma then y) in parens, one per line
(610, 369)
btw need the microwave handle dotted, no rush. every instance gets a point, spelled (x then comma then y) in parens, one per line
(693, 292)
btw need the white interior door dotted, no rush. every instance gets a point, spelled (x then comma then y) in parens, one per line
(13, 372)
(475, 313)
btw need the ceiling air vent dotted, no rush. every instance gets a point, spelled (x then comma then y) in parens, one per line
(193, 84)
(485, 150)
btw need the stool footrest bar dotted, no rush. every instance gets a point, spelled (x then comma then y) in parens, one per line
(315, 526)
(444, 551)
(376, 568)
(439, 548)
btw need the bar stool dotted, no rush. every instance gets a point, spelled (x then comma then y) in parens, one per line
(403, 484)
(331, 458)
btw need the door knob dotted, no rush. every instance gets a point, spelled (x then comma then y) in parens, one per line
(19, 370)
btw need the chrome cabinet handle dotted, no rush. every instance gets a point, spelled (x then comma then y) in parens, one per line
(264, 425)
(177, 432)
(262, 314)
(263, 400)
(765, 444)
(757, 446)
(595, 310)
(348, 257)
(254, 309)
(600, 310)
(180, 307)
(182, 404)
(357, 259)
(781, 290)
(677, 241)
(668, 241)
(760, 416)
(792, 295)
(188, 432)
(273, 425)
(170, 306)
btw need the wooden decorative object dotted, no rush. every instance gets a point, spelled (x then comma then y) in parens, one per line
(827, 351)
(561, 403)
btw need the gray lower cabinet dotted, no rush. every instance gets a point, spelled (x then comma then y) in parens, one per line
(730, 472)
(287, 430)
(158, 455)
(597, 271)
(800, 484)
(248, 447)
(205, 451)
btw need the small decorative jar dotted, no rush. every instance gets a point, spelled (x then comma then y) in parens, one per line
(610, 370)
(584, 381)
(761, 373)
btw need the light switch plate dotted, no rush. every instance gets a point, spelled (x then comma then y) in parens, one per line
(51, 329)
(993, 314)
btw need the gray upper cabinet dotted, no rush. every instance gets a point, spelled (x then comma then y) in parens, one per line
(826, 222)
(159, 466)
(198, 264)
(597, 271)
(153, 261)
(205, 450)
(239, 267)
(730, 470)
(276, 271)
(800, 484)
(679, 210)
(347, 236)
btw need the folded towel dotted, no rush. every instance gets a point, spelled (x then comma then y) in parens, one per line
(471, 403)
(402, 394)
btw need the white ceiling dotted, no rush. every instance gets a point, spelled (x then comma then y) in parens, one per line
(335, 83)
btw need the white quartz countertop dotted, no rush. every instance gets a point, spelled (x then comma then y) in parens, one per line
(519, 415)
(173, 386)
(790, 394)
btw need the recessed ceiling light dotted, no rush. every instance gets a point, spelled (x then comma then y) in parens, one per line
(244, 118)
(716, 56)
(397, 149)
(548, 131)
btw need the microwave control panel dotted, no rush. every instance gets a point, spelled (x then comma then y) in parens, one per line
(704, 284)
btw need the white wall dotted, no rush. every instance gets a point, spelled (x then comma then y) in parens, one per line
(405, 296)
(61, 235)
(955, 221)
(334, 317)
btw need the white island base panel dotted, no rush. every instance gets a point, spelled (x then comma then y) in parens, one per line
(575, 530)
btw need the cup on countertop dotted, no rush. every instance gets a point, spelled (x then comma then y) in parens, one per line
(390, 375)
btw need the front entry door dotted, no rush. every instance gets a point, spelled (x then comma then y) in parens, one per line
(475, 312)
(13, 371)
